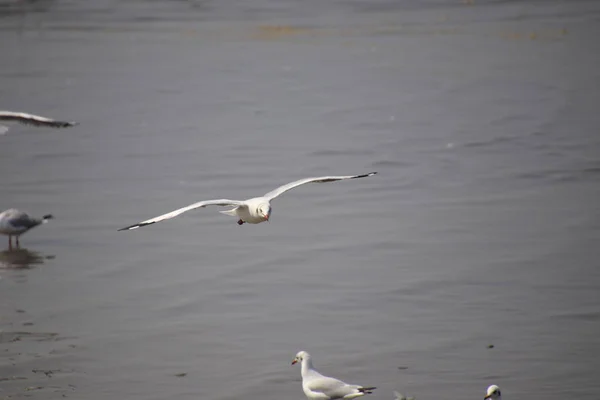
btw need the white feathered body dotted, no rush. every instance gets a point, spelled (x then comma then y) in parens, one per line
(249, 211)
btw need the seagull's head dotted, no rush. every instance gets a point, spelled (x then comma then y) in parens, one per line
(493, 393)
(264, 211)
(300, 356)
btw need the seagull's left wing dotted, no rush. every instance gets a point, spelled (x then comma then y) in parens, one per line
(321, 179)
(173, 214)
(31, 119)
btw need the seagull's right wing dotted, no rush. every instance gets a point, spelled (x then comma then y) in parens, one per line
(173, 214)
(31, 119)
(321, 179)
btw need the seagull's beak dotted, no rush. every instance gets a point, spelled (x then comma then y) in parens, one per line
(294, 362)
(489, 396)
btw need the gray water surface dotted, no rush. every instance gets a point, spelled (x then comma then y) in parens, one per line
(481, 228)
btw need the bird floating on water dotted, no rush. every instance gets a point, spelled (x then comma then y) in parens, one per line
(31, 119)
(320, 387)
(252, 211)
(15, 223)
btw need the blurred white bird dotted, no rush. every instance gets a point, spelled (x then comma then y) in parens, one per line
(400, 396)
(493, 393)
(320, 387)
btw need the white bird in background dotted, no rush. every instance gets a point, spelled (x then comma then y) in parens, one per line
(319, 387)
(15, 223)
(31, 119)
(252, 211)
(400, 396)
(493, 393)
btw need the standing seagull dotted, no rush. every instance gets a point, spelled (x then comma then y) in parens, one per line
(15, 223)
(319, 387)
(493, 393)
(31, 119)
(252, 211)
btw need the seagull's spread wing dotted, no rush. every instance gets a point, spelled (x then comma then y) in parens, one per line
(173, 214)
(321, 179)
(31, 119)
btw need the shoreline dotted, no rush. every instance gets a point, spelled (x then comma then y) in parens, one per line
(33, 363)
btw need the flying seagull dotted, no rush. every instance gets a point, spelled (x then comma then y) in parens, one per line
(320, 387)
(15, 223)
(31, 119)
(252, 211)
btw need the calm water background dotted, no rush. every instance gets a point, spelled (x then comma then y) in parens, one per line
(481, 228)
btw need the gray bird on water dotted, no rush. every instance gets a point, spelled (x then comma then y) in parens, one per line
(15, 223)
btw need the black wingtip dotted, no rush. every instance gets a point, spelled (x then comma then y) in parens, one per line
(134, 226)
(128, 228)
(367, 389)
(48, 216)
(64, 124)
(366, 175)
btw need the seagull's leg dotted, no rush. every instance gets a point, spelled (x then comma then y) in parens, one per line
(240, 222)
(18, 244)
(9, 242)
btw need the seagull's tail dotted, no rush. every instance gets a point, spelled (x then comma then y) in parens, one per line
(232, 212)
